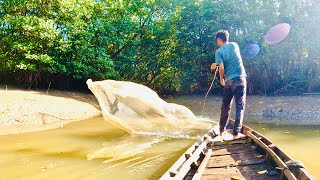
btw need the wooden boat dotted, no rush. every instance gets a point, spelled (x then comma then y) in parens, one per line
(250, 157)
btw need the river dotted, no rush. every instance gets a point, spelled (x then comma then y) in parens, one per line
(94, 149)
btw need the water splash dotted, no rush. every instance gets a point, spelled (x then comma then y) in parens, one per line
(174, 135)
(124, 162)
(122, 149)
(132, 145)
(150, 120)
(143, 165)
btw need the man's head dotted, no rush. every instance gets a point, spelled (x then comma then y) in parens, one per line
(222, 37)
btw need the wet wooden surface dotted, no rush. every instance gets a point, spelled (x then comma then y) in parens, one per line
(237, 159)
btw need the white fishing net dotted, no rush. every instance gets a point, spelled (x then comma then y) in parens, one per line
(134, 107)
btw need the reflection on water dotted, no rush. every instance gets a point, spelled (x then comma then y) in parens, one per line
(94, 149)
(91, 149)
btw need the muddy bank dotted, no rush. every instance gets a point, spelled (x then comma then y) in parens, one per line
(294, 110)
(24, 111)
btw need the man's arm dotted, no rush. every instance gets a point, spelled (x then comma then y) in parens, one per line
(219, 62)
(221, 72)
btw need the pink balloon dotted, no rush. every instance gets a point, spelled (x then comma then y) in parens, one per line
(277, 33)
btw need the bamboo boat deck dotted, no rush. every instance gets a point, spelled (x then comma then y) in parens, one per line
(250, 157)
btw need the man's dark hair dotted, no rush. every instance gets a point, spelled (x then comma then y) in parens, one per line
(223, 35)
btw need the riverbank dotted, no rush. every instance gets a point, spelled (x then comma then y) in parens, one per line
(290, 110)
(25, 111)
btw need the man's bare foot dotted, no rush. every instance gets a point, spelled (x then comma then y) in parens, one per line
(227, 136)
(218, 138)
(222, 134)
(239, 136)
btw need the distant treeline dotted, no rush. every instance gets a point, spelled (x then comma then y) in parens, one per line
(167, 45)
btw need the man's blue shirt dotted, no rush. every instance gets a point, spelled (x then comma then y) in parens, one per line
(229, 55)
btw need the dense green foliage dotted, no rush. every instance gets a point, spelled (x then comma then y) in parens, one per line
(167, 45)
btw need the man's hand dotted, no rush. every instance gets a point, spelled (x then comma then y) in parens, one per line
(222, 82)
(213, 66)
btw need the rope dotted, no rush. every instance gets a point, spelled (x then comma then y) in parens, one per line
(205, 98)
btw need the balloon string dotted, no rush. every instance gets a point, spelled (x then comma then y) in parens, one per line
(205, 98)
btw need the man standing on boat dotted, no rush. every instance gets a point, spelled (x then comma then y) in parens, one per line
(232, 79)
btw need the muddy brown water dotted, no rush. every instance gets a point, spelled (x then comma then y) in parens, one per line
(64, 153)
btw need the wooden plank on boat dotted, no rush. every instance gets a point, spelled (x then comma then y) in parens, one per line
(233, 158)
(274, 157)
(231, 149)
(262, 138)
(227, 136)
(299, 173)
(238, 141)
(173, 170)
(241, 172)
(185, 168)
(241, 159)
(202, 166)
